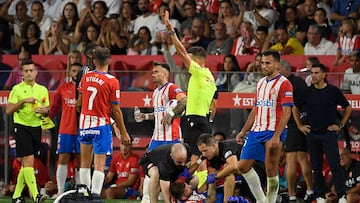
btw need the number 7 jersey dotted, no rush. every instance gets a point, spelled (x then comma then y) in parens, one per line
(98, 91)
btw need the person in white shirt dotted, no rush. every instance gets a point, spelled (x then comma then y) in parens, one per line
(44, 22)
(318, 45)
(147, 19)
(258, 14)
(351, 82)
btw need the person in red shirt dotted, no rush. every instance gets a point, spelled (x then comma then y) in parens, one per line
(124, 166)
(68, 142)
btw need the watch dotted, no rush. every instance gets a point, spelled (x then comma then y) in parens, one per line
(172, 32)
(341, 126)
(254, 10)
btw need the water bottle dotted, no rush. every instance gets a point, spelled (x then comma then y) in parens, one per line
(137, 115)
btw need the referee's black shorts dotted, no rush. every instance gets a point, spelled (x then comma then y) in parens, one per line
(28, 140)
(295, 140)
(194, 127)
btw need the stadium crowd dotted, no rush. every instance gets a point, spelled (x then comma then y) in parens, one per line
(205, 168)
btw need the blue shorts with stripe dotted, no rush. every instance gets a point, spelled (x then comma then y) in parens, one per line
(100, 137)
(68, 144)
(254, 146)
(155, 143)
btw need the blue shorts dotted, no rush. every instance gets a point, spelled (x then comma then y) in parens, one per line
(154, 143)
(100, 137)
(68, 144)
(254, 146)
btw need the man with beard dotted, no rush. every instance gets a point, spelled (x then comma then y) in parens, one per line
(320, 99)
(267, 124)
(147, 18)
(68, 142)
(164, 165)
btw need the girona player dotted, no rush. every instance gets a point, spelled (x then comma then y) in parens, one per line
(99, 96)
(267, 124)
(68, 143)
(166, 130)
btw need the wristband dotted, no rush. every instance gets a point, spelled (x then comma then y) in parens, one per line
(146, 116)
(171, 113)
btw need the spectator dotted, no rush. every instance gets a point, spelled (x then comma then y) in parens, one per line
(317, 44)
(230, 75)
(198, 31)
(222, 43)
(13, 6)
(17, 20)
(242, 44)
(73, 57)
(352, 175)
(28, 103)
(348, 41)
(227, 15)
(110, 37)
(5, 36)
(160, 29)
(5, 70)
(342, 9)
(312, 60)
(90, 37)
(291, 21)
(31, 34)
(322, 21)
(147, 18)
(51, 8)
(94, 14)
(209, 9)
(44, 22)
(258, 14)
(124, 168)
(308, 19)
(286, 45)
(251, 77)
(68, 20)
(55, 43)
(93, 143)
(16, 77)
(189, 8)
(68, 143)
(321, 99)
(126, 19)
(351, 84)
(295, 142)
(140, 44)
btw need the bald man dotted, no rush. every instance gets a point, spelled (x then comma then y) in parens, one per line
(163, 165)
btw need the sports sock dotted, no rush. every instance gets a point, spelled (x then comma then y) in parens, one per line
(31, 181)
(272, 189)
(77, 176)
(61, 175)
(253, 181)
(97, 182)
(85, 177)
(20, 184)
